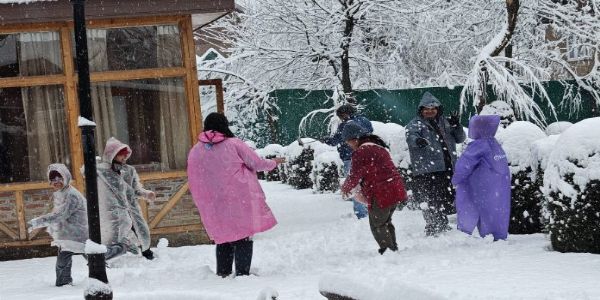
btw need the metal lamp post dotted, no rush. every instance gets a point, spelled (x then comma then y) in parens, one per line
(96, 262)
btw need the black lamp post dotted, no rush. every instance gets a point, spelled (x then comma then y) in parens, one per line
(96, 262)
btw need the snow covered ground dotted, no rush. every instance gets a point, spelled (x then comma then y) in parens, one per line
(318, 242)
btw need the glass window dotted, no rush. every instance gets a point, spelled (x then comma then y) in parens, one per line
(33, 132)
(130, 48)
(30, 54)
(149, 115)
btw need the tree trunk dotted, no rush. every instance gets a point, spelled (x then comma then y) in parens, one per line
(349, 12)
(512, 11)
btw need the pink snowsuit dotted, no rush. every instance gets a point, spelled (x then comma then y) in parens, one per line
(224, 186)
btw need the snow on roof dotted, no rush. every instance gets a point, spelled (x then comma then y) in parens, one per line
(576, 152)
(516, 140)
(22, 1)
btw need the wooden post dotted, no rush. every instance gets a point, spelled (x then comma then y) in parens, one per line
(72, 107)
(218, 84)
(20, 206)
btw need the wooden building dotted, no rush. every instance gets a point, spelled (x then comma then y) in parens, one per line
(144, 92)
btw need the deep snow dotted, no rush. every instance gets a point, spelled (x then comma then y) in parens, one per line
(319, 243)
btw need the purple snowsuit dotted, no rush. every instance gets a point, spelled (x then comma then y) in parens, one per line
(482, 180)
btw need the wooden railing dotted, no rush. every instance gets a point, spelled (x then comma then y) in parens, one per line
(22, 238)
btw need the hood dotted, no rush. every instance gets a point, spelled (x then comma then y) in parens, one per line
(483, 126)
(430, 100)
(62, 170)
(211, 137)
(113, 146)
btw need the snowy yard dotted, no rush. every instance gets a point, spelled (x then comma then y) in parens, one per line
(317, 240)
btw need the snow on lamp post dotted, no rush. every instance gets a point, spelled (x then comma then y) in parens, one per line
(98, 287)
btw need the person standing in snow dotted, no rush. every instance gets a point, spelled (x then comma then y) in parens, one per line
(130, 175)
(114, 194)
(347, 113)
(67, 224)
(224, 185)
(432, 143)
(381, 186)
(482, 180)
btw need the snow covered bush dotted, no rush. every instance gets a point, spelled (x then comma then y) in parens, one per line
(558, 127)
(299, 158)
(526, 199)
(327, 170)
(268, 152)
(502, 109)
(572, 188)
(541, 150)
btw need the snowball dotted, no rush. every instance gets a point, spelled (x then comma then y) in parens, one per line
(162, 243)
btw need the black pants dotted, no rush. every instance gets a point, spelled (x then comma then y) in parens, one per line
(380, 221)
(64, 261)
(435, 189)
(238, 251)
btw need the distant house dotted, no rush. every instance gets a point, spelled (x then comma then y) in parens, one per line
(144, 92)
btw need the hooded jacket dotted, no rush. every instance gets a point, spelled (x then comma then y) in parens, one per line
(114, 195)
(224, 186)
(430, 158)
(67, 223)
(482, 180)
(373, 169)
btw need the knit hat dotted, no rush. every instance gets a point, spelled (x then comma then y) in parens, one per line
(353, 131)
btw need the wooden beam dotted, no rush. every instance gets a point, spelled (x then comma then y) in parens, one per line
(218, 84)
(162, 175)
(40, 242)
(28, 186)
(32, 81)
(144, 207)
(137, 74)
(193, 91)
(72, 109)
(169, 205)
(31, 27)
(177, 229)
(8, 231)
(34, 233)
(20, 205)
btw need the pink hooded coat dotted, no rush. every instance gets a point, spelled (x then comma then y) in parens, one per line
(224, 186)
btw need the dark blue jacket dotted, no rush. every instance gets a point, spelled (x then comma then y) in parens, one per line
(336, 140)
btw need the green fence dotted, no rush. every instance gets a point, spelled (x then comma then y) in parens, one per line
(397, 106)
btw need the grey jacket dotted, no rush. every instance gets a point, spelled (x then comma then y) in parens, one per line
(67, 223)
(430, 158)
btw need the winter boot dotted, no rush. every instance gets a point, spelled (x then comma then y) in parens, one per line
(148, 254)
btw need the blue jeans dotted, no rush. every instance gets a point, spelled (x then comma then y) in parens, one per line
(360, 210)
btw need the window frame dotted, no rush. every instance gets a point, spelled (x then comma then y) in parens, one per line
(188, 71)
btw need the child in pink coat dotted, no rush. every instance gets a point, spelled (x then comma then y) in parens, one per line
(223, 182)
